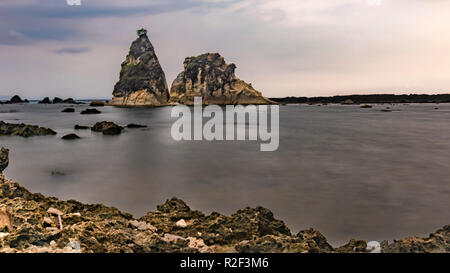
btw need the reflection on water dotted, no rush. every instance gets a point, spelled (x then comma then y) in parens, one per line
(346, 171)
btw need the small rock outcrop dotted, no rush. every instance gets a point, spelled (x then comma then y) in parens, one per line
(16, 99)
(136, 126)
(90, 111)
(4, 159)
(107, 128)
(46, 100)
(142, 80)
(214, 80)
(70, 137)
(23, 130)
(68, 110)
(97, 103)
(81, 127)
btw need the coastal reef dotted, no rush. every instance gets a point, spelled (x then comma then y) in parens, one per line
(23, 130)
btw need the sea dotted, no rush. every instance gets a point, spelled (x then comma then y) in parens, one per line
(346, 171)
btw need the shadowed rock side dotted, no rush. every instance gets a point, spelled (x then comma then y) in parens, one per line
(142, 80)
(209, 76)
(31, 223)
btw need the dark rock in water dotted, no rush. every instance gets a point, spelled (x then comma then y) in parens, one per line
(16, 99)
(142, 80)
(366, 106)
(23, 130)
(97, 103)
(209, 76)
(68, 110)
(81, 127)
(107, 128)
(46, 100)
(4, 159)
(57, 100)
(90, 111)
(386, 110)
(135, 126)
(70, 137)
(58, 173)
(347, 102)
(71, 101)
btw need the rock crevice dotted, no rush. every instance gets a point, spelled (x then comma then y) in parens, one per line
(210, 77)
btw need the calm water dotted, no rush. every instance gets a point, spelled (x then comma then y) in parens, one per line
(346, 171)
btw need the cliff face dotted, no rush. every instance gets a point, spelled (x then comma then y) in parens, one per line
(142, 81)
(209, 76)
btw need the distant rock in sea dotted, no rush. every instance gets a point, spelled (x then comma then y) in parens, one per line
(81, 127)
(209, 76)
(135, 126)
(142, 81)
(68, 110)
(90, 111)
(107, 128)
(14, 100)
(23, 130)
(97, 103)
(57, 100)
(70, 137)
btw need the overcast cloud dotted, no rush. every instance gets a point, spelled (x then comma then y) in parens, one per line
(283, 47)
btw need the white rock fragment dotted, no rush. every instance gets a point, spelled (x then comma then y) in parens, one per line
(172, 238)
(198, 244)
(3, 234)
(373, 247)
(48, 221)
(181, 224)
(53, 244)
(59, 213)
(54, 211)
(143, 225)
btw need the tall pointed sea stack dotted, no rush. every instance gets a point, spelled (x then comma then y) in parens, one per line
(209, 76)
(142, 80)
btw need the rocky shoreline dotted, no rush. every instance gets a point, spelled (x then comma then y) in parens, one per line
(35, 223)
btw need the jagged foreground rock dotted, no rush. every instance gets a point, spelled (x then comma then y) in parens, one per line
(30, 223)
(142, 80)
(210, 77)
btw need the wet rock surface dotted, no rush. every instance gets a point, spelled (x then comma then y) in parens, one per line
(214, 80)
(142, 80)
(81, 127)
(107, 128)
(35, 223)
(23, 130)
(136, 126)
(14, 100)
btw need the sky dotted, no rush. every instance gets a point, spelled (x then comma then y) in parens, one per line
(283, 47)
